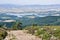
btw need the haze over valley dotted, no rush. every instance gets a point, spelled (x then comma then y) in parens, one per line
(38, 14)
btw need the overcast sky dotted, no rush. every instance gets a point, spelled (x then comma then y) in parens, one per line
(30, 2)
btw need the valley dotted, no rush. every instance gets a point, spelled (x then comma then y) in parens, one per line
(42, 22)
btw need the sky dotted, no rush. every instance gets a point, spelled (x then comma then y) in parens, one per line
(30, 2)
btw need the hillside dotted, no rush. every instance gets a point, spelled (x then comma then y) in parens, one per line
(27, 20)
(51, 20)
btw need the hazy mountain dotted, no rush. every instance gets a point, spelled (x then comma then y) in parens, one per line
(41, 18)
(31, 19)
(51, 20)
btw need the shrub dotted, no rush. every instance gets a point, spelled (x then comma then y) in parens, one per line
(3, 34)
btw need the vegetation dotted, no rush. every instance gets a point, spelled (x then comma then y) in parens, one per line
(17, 26)
(3, 34)
(45, 32)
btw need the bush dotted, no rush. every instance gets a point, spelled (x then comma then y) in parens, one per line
(3, 34)
(45, 32)
(32, 29)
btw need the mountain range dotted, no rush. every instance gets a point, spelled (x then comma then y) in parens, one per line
(41, 18)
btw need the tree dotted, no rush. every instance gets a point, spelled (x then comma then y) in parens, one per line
(4, 27)
(17, 26)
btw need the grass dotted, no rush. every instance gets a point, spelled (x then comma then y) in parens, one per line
(45, 32)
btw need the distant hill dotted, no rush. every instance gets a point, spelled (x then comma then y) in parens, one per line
(48, 20)
(49, 17)
(31, 19)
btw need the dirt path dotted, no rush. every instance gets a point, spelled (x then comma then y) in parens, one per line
(20, 35)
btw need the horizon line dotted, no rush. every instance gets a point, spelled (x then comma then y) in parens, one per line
(29, 4)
